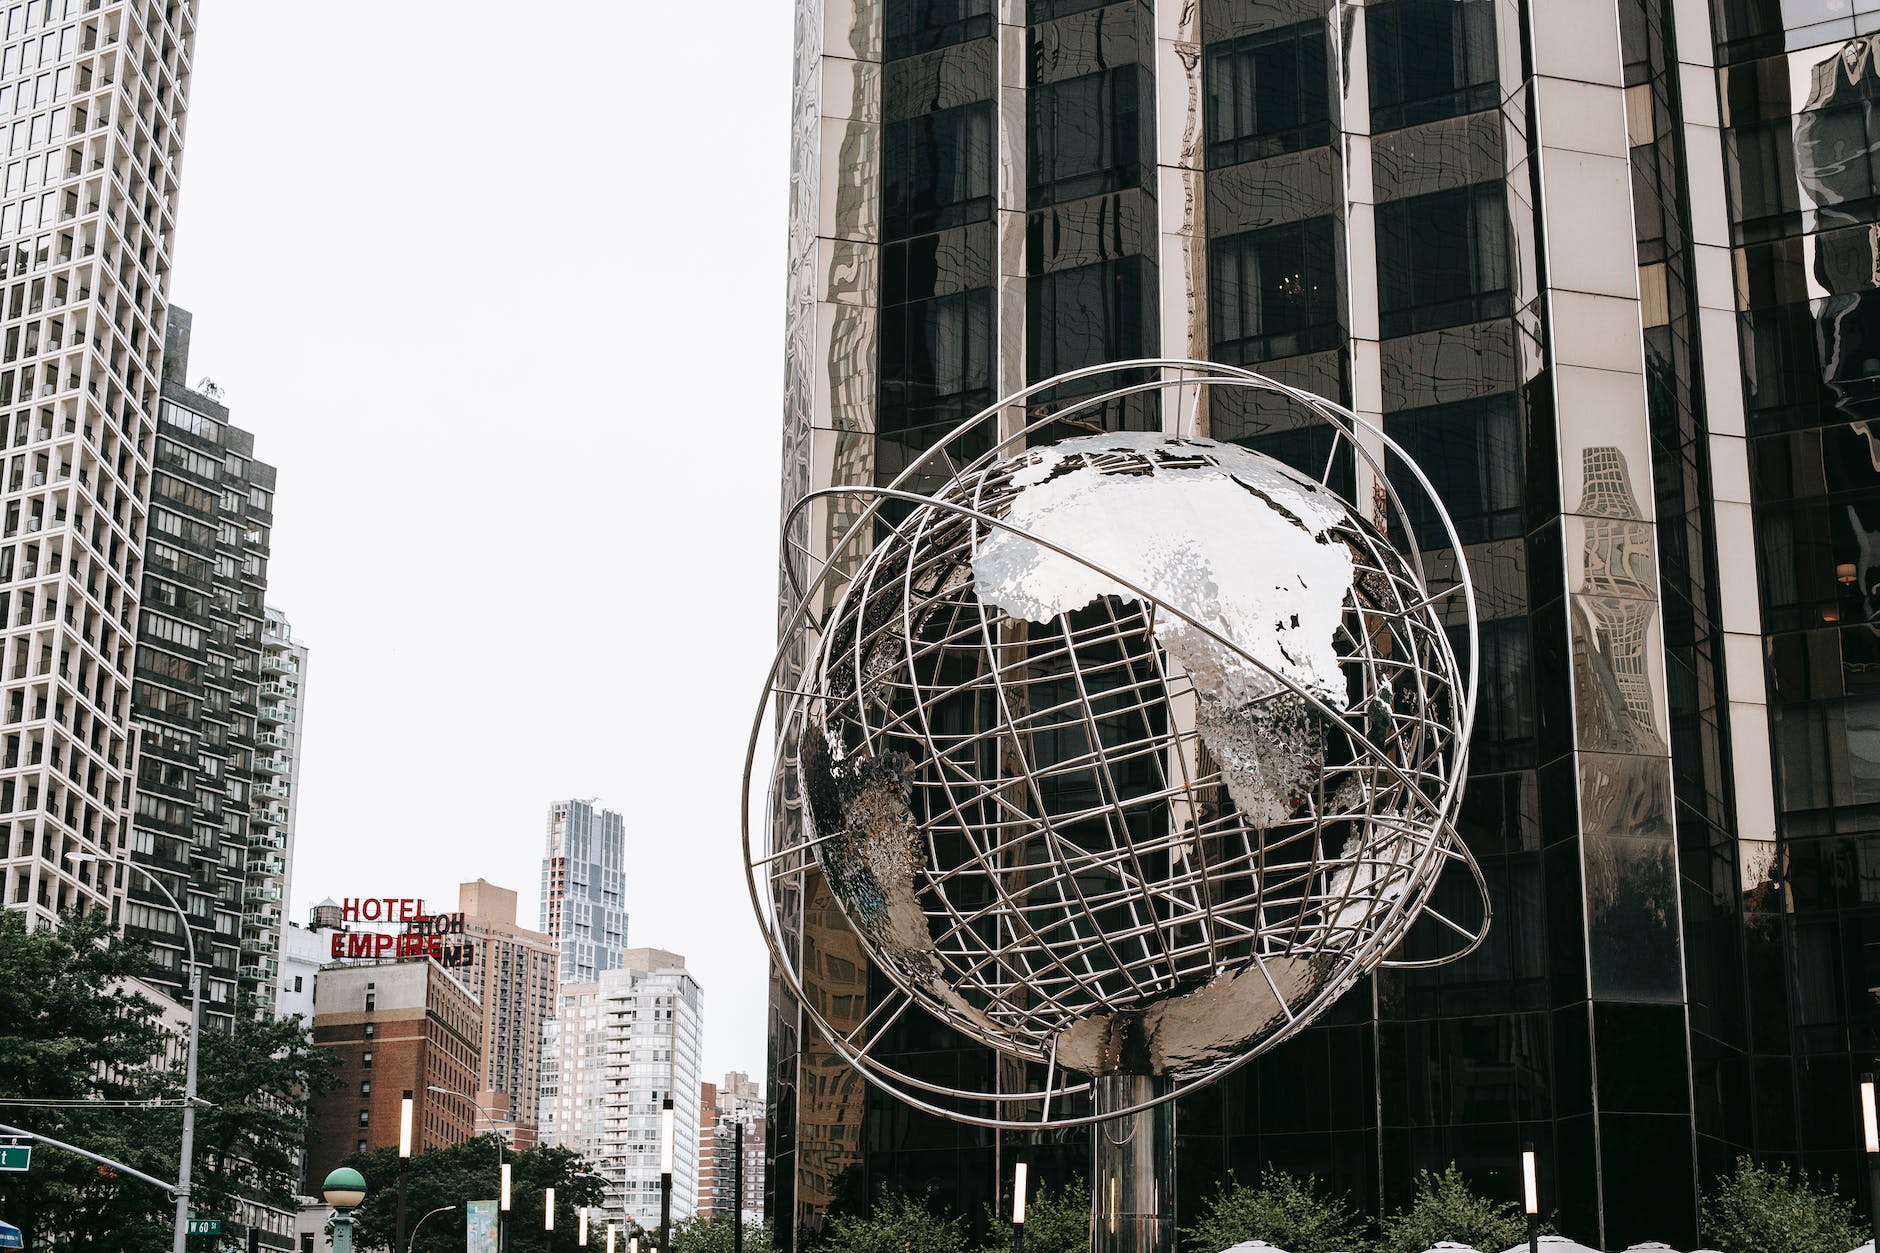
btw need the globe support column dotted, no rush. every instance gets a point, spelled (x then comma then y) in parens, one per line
(1133, 1171)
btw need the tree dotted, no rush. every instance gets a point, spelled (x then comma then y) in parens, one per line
(703, 1235)
(1754, 1210)
(73, 1029)
(1298, 1215)
(1446, 1208)
(894, 1224)
(1055, 1221)
(256, 1079)
(470, 1172)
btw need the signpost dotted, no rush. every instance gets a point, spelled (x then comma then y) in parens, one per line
(480, 1227)
(15, 1157)
(205, 1227)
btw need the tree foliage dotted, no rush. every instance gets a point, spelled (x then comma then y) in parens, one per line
(256, 1080)
(1755, 1210)
(894, 1224)
(1298, 1215)
(71, 1030)
(703, 1235)
(1447, 1208)
(470, 1171)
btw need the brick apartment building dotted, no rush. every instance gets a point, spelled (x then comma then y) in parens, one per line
(512, 972)
(393, 1027)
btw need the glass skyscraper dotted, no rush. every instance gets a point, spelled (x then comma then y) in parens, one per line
(584, 888)
(1605, 271)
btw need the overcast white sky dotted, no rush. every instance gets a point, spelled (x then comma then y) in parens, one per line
(499, 288)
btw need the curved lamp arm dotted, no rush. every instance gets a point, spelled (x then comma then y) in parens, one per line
(413, 1242)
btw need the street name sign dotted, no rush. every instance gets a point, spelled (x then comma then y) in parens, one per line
(15, 1156)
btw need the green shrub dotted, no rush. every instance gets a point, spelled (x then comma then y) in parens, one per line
(894, 1224)
(1754, 1210)
(1298, 1215)
(1446, 1208)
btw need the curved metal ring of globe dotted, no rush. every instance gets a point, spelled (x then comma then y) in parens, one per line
(1125, 754)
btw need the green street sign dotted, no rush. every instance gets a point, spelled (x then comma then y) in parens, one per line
(15, 1156)
(205, 1227)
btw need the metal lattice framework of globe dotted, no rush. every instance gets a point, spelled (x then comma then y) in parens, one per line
(1125, 754)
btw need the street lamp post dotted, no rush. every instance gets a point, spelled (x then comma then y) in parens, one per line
(1531, 1197)
(404, 1162)
(344, 1189)
(737, 1185)
(548, 1220)
(412, 1245)
(1870, 1128)
(665, 1175)
(1018, 1208)
(502, 1167)
(502, 1213)
(179, 1242)
(610, 1238)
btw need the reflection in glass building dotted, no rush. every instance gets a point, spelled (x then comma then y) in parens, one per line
(1613, 276)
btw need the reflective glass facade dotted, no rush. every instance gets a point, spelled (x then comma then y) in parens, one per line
(1608, 275)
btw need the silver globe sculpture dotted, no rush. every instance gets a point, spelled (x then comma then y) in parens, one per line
(1123, 755)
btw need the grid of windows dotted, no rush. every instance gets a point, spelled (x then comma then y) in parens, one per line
(91, 100)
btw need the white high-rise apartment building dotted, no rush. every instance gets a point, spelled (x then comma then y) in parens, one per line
(92, 111)
(270, 865)
(584, 888)
(617, 1049)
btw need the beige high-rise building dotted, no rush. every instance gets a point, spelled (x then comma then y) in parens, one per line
(92, 112)
(512, 972)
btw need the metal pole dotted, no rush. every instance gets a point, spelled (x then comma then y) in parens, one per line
(1531, 1196)
(502, 1207)
(1870, 1137)
(1019, 1173)
(342, 1231)
(737, 1184)
(1873, 1193)
(179, 1242)
(1133, 1180)
(405, 1118)
(180, 1239)
(667, 1134)
(413, 1243)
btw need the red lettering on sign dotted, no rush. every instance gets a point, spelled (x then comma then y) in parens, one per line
(358, 944)
(339, 944)
(349, 909)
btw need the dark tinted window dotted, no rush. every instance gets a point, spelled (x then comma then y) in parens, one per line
(1442, 259)
(936, 361)
(937, 171)
(1274, 293)
(1267, 94)
(1088, 135)
(1089, 315)
(1473, 453)
(915, 26)
(1430, 59)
